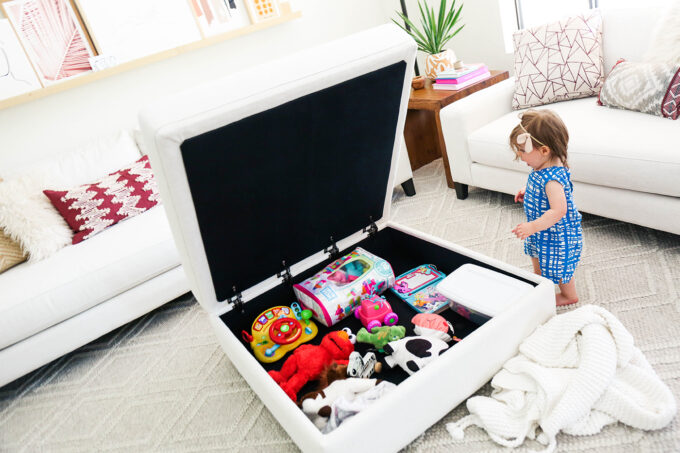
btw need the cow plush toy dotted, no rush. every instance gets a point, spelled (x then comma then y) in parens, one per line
(414, 353)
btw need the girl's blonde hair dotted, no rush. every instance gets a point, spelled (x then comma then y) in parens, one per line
(546, 128)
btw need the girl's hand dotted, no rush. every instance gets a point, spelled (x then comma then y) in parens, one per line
(519, 198)
(524, 230)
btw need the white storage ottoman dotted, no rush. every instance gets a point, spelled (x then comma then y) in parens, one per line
(272, 171)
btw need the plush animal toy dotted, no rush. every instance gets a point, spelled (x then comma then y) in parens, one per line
(333, 384)
(308, 361)
(413, 353)
(380, 336)
(319, 408)
(433, 325)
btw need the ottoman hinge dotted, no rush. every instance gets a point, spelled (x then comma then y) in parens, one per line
(237, 301)
(285, 274)
(372, 229)
(332, 250)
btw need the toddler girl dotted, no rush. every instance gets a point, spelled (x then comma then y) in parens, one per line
(552, 232)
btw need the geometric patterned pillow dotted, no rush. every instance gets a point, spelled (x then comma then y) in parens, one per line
(652, 88)
(91, 208)
(558, 61)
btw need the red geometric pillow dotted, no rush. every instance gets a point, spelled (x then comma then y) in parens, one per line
(671, 101)
(91, 208)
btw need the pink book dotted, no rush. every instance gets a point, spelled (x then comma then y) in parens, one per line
(464, 78)
(460, 86)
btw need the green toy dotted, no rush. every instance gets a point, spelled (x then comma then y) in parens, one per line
(380, 336)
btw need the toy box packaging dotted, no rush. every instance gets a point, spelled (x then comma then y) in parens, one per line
(266, 180)
(418, 288)
(337, 289)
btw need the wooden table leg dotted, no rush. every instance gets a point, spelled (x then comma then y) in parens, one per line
(442, 150)
(420, 134)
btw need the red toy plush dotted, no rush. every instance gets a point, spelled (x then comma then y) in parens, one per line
(308, 361)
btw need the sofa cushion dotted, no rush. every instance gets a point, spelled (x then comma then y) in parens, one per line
(626, 33)
(665, 41)
(607, 147)
(38, 295)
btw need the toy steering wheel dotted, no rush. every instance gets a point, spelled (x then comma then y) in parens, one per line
(285, 330)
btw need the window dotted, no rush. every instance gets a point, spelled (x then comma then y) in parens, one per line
(536, 12)
(530, 13)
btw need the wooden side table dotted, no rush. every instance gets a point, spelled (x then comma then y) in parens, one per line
(423, 128)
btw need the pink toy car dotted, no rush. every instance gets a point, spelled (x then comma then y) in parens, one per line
(375, 311)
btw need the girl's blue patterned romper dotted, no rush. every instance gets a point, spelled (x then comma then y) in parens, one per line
(558, 248)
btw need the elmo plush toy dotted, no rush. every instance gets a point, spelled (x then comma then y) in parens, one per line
(308, 361)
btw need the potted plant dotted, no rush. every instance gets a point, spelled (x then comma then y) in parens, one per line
(437, 30)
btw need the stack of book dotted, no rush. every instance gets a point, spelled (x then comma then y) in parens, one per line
(457, 79)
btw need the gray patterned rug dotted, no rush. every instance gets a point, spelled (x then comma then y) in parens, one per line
(162, 383)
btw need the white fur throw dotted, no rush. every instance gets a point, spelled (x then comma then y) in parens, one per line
(576, 373)
(26, 214)
(665, 43)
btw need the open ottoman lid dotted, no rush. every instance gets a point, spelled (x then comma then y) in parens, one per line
(266, 165)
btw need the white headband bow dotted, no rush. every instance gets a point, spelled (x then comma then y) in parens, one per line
(525, 139)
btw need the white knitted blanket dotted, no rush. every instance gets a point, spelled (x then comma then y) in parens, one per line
(576, 373)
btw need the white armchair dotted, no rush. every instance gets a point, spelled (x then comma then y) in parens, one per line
(624, 164)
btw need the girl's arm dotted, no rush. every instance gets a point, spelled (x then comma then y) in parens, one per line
(558, 209)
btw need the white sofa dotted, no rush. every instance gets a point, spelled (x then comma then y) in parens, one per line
(625, 165)
(51, 307)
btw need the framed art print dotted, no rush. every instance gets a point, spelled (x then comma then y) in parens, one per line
(219, 16)
(16, 73)
(51, 36)
(131, 29)
(261, 10)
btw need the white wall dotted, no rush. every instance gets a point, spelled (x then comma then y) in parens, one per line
(32, 130)
(480, 41)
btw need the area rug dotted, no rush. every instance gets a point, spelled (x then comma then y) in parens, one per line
(162, 383)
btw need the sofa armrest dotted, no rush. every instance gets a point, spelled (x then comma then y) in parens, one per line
(463, 117)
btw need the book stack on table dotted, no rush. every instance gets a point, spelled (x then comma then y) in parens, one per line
(457, 79)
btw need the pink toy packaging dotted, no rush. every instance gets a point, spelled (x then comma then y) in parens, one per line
(334, 292)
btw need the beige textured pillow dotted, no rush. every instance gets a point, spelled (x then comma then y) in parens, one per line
(10, 252)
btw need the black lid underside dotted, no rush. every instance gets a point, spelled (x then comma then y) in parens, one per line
(277, 185)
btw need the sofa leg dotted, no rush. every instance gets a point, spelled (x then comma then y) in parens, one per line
(461, 191)
(409, 188)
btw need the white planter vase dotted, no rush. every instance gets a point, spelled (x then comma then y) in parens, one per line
(439, 62)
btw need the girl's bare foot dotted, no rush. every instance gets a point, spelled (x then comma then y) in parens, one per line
(567, 294)
(561, 300)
